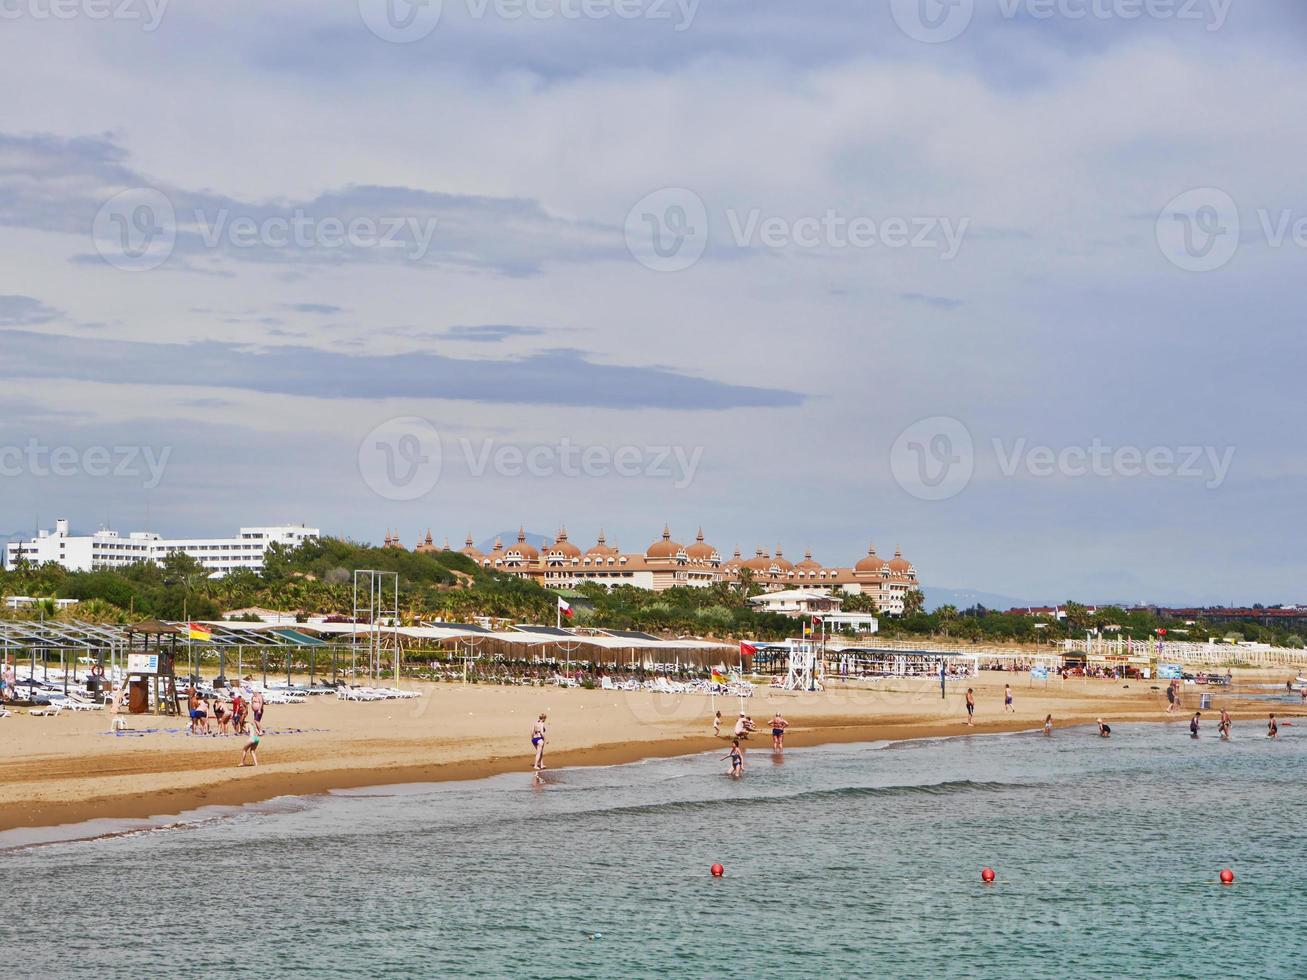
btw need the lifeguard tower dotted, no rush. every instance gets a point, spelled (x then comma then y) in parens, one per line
(150, 678)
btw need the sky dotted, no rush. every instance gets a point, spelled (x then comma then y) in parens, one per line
(1013, 285)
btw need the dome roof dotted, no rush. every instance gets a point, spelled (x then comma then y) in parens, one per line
(807, 565)
(523, 547)
(898, 563)
(735, 561)
(699, 551)
(760, 561)
(563, 548)
(781, 562)
(601, 548)
(872, 563)
(497, 552)
(665, 548)
(470, 549)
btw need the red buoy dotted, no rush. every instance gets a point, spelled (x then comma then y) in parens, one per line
(718, 871)
(988, 876)
(1227, 877)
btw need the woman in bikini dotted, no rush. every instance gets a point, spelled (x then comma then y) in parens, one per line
(251, 750)
(736, 755)
(778, 726)
(538, 740)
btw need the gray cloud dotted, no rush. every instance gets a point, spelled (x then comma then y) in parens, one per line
(556, 377)
(24, 311)
(938, 302)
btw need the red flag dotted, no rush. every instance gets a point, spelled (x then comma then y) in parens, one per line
(564, 607)
(747, 649)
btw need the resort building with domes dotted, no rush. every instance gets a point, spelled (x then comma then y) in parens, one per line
(667, 564)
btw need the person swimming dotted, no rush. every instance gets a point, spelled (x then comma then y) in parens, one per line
(1104, 729)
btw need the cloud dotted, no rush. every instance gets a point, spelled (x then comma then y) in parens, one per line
(938, 302)
(557, 377)
(323, 309)
(24, 311)
(481, 334)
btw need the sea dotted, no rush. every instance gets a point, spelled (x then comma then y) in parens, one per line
(843, 860)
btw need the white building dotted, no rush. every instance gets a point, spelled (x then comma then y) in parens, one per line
(805, 603)
(109, 549)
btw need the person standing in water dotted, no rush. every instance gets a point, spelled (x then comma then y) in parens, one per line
(1272, 728)
(971, 708)
(538, 741)
(1223, 726)
(1193, 724)
(1007, 698)
(736, 755)
(1048, 724)
(778, 726)
(1104, 729)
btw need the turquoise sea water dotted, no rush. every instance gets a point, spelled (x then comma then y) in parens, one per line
(841, 861)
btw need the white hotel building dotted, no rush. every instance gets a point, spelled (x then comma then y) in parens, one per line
(109, 549)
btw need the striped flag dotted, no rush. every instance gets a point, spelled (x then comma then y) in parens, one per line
(198, 631)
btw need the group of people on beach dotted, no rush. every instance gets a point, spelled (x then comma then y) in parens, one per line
(243, 714)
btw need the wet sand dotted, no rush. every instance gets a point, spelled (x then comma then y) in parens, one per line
(67, 769)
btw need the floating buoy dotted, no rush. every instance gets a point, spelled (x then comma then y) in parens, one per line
(718, 871)
(1227, 877)
(988, 876)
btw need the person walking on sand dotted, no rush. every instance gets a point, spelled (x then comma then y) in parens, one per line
(736, 755)
(971, 708)
(251, 750)
(778, 726)
(538, 741)
(1170, 697)
(1007, 698)
(717, 725)
(1048, 724)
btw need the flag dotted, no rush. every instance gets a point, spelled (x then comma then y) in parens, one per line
(816, 621)
(564, 608)
(719, 675)
(198, 631)
(747, 649)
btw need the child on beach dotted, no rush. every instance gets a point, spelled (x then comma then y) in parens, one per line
(538, 740)
(1007, 698)
(716, 724)
(736, 755)
(251, 750)
(1048, 724)
(971, 708)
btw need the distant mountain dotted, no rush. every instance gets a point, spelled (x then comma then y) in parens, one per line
(510, 537)
(966, 598)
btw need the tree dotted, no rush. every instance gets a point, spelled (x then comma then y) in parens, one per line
(914, 602)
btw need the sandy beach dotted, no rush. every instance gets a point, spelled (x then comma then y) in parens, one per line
(66, 769)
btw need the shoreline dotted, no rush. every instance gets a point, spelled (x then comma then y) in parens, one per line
(157, 777)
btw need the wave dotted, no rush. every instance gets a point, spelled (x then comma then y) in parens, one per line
(947, 788)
